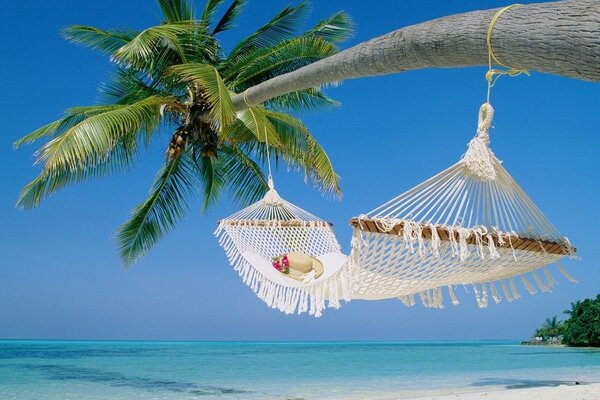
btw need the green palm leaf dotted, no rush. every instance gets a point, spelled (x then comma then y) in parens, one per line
(280, 27)
(304, 99)
(256, 121)
(128, 87)
(165, 206)
(104, 41)
(230, 16)
(158, 42)
(92, 139)
(300, 148)
(51, 180)
(245, 179)
(336, 28)
(285, 57)
(176, 10)
(52, 129)
(212, 178)
(208, 79)
(209, 12)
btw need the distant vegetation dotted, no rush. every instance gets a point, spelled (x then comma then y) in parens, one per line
(582, 328)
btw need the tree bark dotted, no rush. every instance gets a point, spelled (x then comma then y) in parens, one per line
(561, 38)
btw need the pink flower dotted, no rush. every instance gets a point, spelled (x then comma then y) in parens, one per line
(285, 261)
(276, 265)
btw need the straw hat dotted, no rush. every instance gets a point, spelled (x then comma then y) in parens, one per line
(299, 266)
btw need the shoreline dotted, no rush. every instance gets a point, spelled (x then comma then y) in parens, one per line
(570, 391)
(584, 391)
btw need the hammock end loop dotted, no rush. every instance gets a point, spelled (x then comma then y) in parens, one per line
(486, 116)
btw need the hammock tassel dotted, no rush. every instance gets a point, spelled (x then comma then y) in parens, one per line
(551, 282)
(538, 280)
(513, 287)
(453, 295)
(564, 272)
(505, 290)
(528, 286)
(495, 295)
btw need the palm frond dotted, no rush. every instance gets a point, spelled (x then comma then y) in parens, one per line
(208, 79)
(256, 121)
(227, 20)
(336, 28)
(165, 206)
(300, 148)
(279, 28)
(154, 42)
(92, 139)
(104, 41)
(304, 99)
(71, 117)
(237, 132)
(196, 44)
(209, 12)
(52, 129)
(51, 180)
(201, 47)
(127, 87)
(211, 175)
(285, 57)
(245, 180)
(176, 10)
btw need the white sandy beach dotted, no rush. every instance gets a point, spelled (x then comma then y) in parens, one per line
(562, 392)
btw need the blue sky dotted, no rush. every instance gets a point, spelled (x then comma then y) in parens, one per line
(59, 272)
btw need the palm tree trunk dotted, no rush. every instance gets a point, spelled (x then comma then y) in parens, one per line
(561, 38)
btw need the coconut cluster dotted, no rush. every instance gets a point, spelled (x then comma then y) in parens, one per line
(196, 131)
(210, 142)
(178, 142)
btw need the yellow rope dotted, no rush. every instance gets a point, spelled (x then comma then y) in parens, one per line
(246, 98)
(510, 71)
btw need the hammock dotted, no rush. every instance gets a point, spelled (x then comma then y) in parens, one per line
(260, 239)
(470, 224)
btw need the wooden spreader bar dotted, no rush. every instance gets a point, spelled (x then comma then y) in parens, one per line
(527, 244)
(289, 223)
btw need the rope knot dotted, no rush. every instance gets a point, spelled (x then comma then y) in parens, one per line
(486, 115)
(272, 197)
(479, 159)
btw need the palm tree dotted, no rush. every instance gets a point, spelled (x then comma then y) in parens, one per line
(176, 77)
(552, 328)
(574, 307)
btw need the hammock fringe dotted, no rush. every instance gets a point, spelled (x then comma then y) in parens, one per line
(433, 298)
(479, 237)
(310, 298)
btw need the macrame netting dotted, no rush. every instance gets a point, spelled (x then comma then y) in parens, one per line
(271, 227)
(469, 225)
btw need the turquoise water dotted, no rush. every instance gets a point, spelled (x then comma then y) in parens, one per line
(111, 370)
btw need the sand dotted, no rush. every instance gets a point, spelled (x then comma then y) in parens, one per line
(562, 392)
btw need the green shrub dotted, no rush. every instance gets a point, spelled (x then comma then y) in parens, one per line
(583, 326)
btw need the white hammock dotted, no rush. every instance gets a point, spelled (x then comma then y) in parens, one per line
(470, 224)
(273, 227)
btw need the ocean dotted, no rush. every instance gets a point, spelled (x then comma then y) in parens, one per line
(132, 370)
